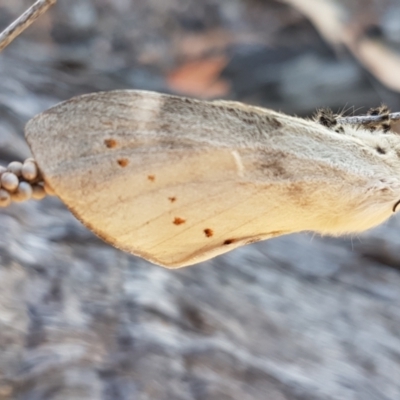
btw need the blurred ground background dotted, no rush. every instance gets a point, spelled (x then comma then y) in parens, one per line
(298, 317)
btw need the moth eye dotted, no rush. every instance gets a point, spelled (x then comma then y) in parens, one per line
(380, 150)
(395, 205)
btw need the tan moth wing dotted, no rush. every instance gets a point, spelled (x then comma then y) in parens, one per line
(178, 181)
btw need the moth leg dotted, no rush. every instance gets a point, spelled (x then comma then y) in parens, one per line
(326, 117)
(385, 123)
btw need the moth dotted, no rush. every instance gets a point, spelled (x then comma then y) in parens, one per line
(178, 181)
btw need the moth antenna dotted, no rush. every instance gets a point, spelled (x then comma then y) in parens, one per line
(356, 109)
(344, 110)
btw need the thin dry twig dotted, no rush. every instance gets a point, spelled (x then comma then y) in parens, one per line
(24, 21)
(367, 119)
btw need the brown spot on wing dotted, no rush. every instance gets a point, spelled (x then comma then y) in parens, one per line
(110, 143)
(172, 199)
(229, 241)
(274, 168)
(123, 162)
(299, 195)
(151, 178)
(208, 232)
(179, 221)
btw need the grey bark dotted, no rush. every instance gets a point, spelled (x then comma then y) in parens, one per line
(298, 317)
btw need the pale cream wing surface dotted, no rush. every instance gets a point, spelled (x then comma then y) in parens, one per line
(146, 176)
(178, 181)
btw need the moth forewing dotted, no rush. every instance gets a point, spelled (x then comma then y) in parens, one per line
(178, 181)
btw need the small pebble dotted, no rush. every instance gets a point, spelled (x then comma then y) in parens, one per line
(15, 167)
(38, 192)
(5, 198)
(29, 170)
(9, 181)
(23, 193)
(49, 191)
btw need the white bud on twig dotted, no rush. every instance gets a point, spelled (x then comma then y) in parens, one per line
(15, 167)
(5, 198)
(9, 181)
(29, 170)
(20, 182)
(38, 192)
(23, 192)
